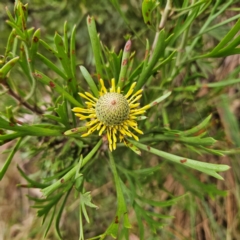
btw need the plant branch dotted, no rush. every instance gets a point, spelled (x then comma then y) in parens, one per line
(19, 99)
(168, 7)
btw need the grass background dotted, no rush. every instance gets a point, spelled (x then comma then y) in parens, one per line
(206, 212)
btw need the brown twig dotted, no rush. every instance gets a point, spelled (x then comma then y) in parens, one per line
(34, 109)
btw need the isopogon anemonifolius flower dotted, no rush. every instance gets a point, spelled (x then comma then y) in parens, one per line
(112, 113)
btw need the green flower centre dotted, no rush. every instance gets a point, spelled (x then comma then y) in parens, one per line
(112, 109)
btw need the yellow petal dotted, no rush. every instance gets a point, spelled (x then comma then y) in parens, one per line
(135, 99)
(135, 137)
(92, 122)
(135, 94)
(91, 96)
(102, 130)
(114, 146)
(137, 130)
(85, 134)
(134, 105)
(103, 88)
(112, 89)
(86, 97)
(138, 112)
(99, 126)
(109, 136)
(130, 91)
(130, 123)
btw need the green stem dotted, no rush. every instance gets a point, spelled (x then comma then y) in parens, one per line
(166, 123)
(162, 23)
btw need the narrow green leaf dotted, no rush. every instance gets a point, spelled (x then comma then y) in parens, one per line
(84, 211)
(52, 117)
(59, 214)
(124, 64)
(184, 25)
(225, 53)
(86, 199)
(8, 137)
(25, 10)
(147, 55)
(160, 99)
(23, 60)
(32, 183)
(95, 44)
(52, 66)
(10, 42)
(33, 130)
(48, 190)
(141, 227)
(122, 208)
(130, 67)
(34, 45)
(62, 172)
(136, 72)
(48, 47)
(55, 87)
(50, 222)
(200, 126)
(9, 159)
(75, 131)
(158, 52)
(9, 14)
(233, 44)
(213, 151)
(153, 225)
(7, 67)
(134, 148)
(90, 81)
(164, 62)
(62, 54)
(114, 63)
(17, 29)
(228, 20)
(197, 141)
(183, 9)
(10, 114)
(112, 230)
(228, 38)
(208, 168)
(167, 203)
(63, 114)
(140, 118)
(223, 83)
(30, 73)
(65, 31)
(73, 52)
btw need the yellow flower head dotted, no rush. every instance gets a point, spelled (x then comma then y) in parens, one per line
(112, 113)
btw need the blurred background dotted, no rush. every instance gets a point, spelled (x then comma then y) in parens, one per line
(209, 212)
